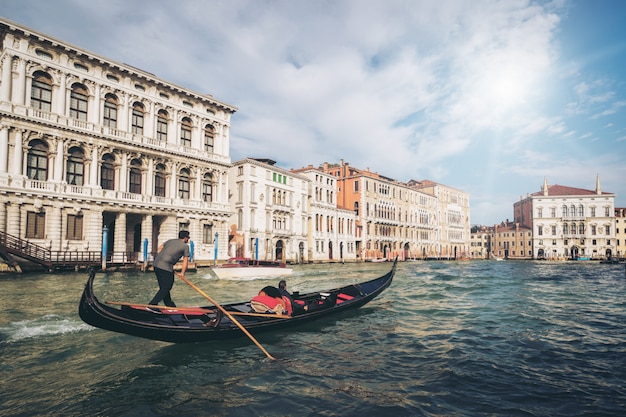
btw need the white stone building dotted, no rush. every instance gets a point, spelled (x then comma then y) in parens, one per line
(270, 212)
(569, 223)
(87, 143)
(453, 219)
(331, 230)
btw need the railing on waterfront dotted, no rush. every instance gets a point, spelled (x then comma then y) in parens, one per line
(32, 252)
(24, 249)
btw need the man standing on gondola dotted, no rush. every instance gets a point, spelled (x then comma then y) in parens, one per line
(169, 253)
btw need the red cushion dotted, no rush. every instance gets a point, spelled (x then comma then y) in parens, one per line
(343, 297)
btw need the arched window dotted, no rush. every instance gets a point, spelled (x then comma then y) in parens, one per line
(565, 227)
(159, 181)
(185, 132)
(110, 111)
(581, 211)
(581, 229)
(107, 172)
(137, 119)
(37, 161)
(183, 184)
(209, 138)
(564, 211)
(162, 126)
(207, 188)
(134, 179)
(41, 92)
(78, 102)
(74, 174)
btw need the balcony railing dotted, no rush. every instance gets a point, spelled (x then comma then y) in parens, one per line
(115, 133)
(50, 188)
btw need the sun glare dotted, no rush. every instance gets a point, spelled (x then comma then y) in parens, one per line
(507, 88)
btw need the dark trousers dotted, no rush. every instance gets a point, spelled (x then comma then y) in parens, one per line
(166, 282)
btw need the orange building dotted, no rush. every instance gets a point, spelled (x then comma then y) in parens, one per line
(409, 220)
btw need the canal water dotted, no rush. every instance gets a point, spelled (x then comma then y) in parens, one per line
(477, 338)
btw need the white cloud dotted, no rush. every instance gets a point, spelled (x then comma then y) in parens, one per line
(409, 89)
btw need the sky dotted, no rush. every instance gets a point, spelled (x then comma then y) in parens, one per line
(487, 96)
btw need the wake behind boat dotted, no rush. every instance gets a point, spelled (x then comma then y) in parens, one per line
(250, 268)
(203, 324)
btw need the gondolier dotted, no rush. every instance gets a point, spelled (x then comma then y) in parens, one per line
(169, 253)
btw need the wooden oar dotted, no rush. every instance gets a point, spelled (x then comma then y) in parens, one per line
(198, 310)
(194, 309)
(230, 316)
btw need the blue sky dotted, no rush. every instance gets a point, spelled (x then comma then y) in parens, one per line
(489, 96)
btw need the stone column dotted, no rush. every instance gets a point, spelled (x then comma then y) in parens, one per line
(124, 174)
(3, 217)
(149, 118)
(94, 109)
(219, 188)
(7, 75)
(58, 161)
(54, 227)
(13, 219)
(173, 182)
(119, 243)
(150, 178)
(92, 230)
(18, 153)
(4, 148)
(197, 138)
(199, 180)
(61, 96)
(173, 135)
(93, 171)
(20, 86)
(124, 116)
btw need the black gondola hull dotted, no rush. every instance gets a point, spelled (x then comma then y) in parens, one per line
(197, 327)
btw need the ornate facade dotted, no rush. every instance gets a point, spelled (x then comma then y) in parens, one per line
(569, 223)
(94, 152)
(406, 220)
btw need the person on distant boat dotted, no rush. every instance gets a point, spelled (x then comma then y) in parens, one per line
(169, 253)
(270, 300)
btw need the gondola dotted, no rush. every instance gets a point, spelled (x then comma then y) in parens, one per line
(205, 324)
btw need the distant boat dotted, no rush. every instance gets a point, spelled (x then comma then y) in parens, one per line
(250, 268)
(376, 260)
(495, 258)
(613, 261)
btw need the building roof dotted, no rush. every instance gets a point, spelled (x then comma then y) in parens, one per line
(562, 190)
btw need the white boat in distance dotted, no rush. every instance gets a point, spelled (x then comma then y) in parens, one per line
(249, 268)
